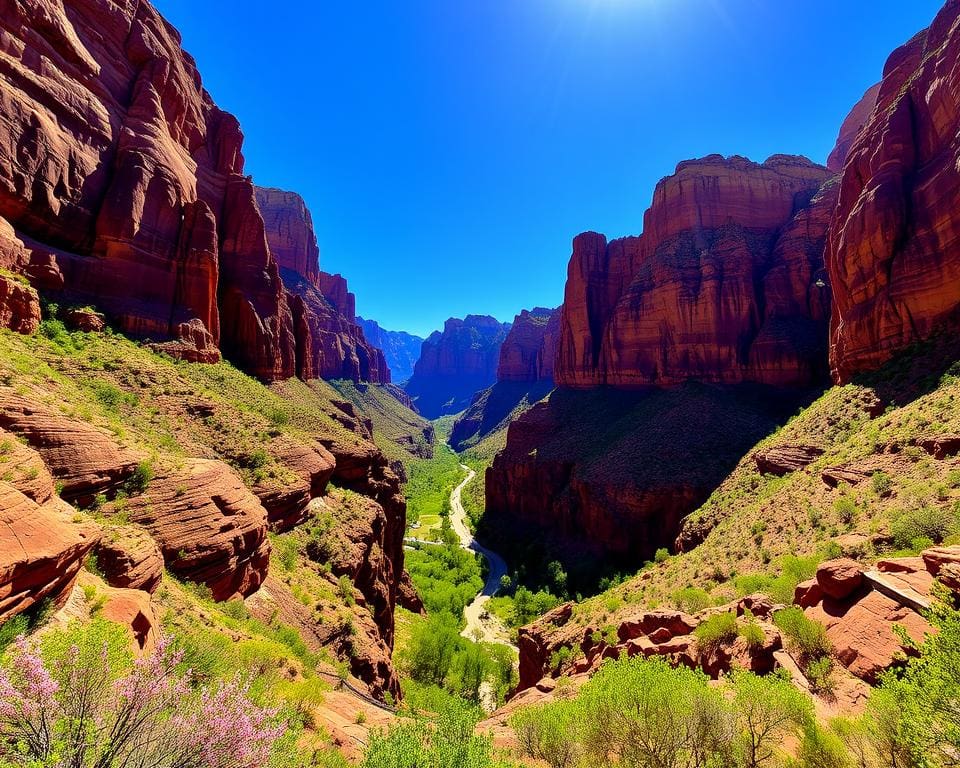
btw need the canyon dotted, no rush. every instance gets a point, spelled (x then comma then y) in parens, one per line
(196, 426)
(456, 363)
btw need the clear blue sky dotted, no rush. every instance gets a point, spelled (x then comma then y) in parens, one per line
(451, 149)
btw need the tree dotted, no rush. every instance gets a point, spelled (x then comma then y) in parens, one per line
(81, 700)
(433, 646)
(647, 713)
(767, 709)
(551, 733)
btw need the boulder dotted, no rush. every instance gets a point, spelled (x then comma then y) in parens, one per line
(838, 579)
(936, 558)
(129, 558)
(783, 459)
(85, 320)
(42, 551)
(862, 632)
(19, 306)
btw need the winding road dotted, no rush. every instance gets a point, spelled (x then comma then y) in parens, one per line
(481, 625)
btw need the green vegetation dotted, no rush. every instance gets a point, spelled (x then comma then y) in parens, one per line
(717, 630)
(448, 741)
(640, 712)
(428, 491)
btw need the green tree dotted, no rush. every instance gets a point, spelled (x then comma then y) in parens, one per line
(551, 733)
(647, 713)
(767, 710)
(433, 646)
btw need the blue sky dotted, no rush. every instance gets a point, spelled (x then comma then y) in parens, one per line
(451, 149)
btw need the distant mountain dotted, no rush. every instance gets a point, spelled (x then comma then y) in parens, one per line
(401, 349)
(456, 363)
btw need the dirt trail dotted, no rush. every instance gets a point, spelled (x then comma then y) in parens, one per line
(481, 625)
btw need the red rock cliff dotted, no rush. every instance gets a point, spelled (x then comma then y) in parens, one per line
(893, 252)
(720, 287)
(124, 183)
(528, 352)
(329, 343)
(456, 364)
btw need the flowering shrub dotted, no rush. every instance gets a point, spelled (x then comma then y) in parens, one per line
(80, 700)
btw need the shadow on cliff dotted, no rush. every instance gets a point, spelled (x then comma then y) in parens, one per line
(599, 480)
(918, 370)
(493, 408)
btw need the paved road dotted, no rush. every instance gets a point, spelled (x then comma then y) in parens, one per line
(481, 625)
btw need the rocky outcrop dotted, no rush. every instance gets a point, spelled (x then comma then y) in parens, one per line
(19, 306)
(288, 501)
(528, 352)
(328, 341)
(401, 349)
(893, 245)
(42, 546)
(129, 558)
(456, 363)
(719, 287)
(210, 528)
(85, 460)
(553, 646)
(781, 460)
(861, 610)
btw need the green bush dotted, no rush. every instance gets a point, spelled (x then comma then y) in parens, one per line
(933, 523)
(718, 630)
(140, 479)
(662, 555)
(752, 634)
(881, 483)
(692, 599)
(807, 637)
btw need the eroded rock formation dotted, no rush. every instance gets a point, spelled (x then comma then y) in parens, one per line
(328, 341)
(456, 363)
(893, 251)
(719, 287)
(528, 352)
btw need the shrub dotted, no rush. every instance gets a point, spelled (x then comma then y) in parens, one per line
(752, 634)
(81, 700)
(881, 483)
(808, 638)
(662, 555)
(933, 523)
(820, 674)
(692, 599)
(846, 509)
(140, 479)
(719, 629)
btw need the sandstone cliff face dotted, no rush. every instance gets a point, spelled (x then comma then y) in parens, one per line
(859, 116)
(401, 349)
(720, 287)
(328, 342)
(456, 363)
(122, 185)
(893, 251)
(528, 352)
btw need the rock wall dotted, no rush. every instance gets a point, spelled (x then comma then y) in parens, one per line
(893, 250)
(328, 341)
(456, 363)
(529, 351)
(719, 287)
(123, 185)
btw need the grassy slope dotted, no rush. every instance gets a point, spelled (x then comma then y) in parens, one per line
(761, 523)
(143, 398)
(394, 425)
